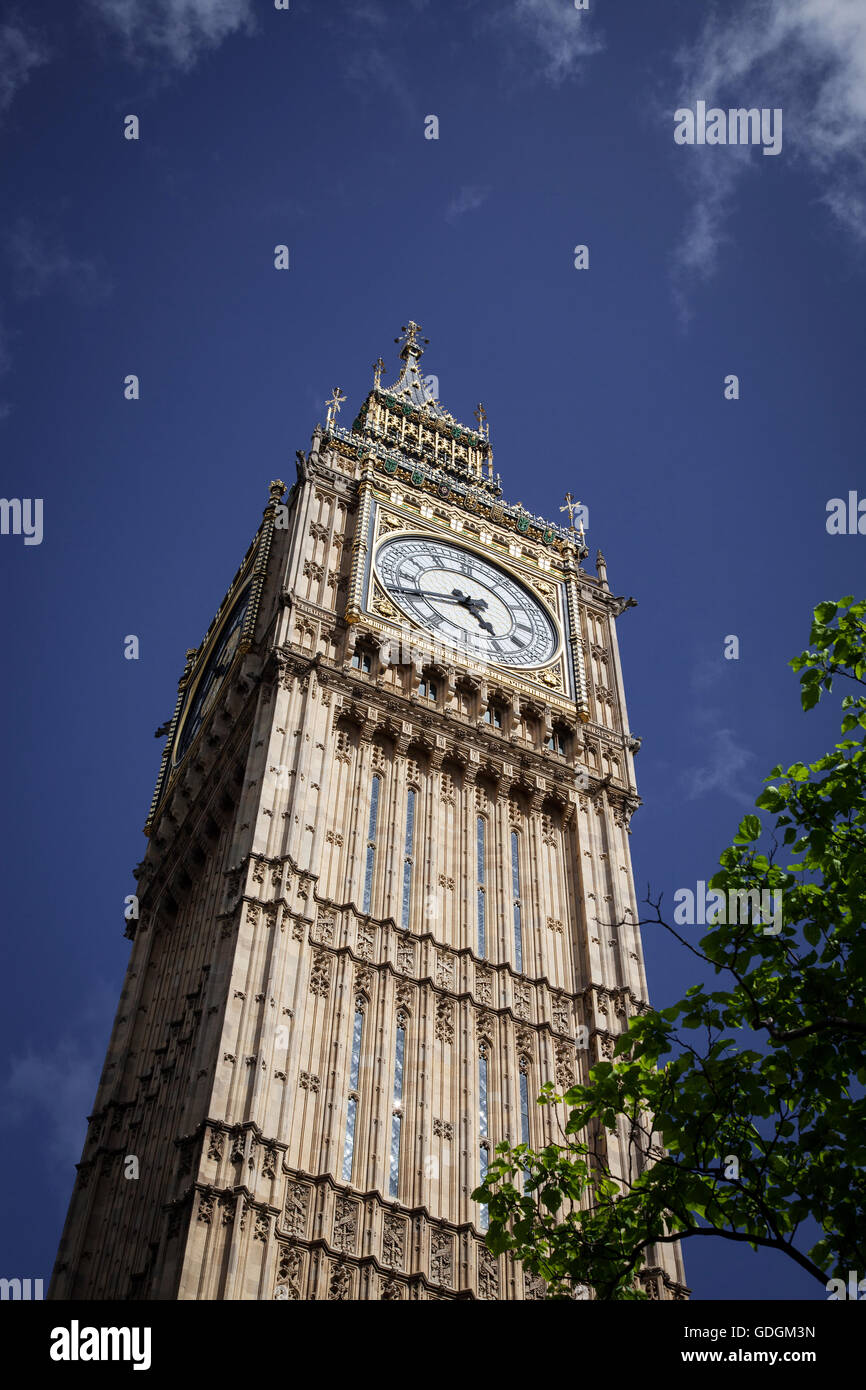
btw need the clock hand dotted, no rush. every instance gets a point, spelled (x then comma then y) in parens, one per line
(456, 596)
(472, 602)
(430, 593)
(482, 622)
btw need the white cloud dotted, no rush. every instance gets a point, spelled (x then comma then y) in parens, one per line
(41, 264)
(180, 31)
(807, 57)
(564, 35)
(20, 53)
(705, 233)
(470, 197)
(725, 761)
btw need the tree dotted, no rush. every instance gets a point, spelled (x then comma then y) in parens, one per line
(742, 1107)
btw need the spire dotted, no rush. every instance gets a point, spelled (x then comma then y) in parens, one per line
(411, 388)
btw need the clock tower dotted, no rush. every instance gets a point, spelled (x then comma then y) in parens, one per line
(387, 892)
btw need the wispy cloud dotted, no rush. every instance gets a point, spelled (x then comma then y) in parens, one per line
(723, 759)
(21, 52)
(49, 1089)
(370, 64)
(807, 57)
(470, 197)
(175, 31)
(41, 264)
(706, 231)
(563, 35)
(721, 770)
(56, 1091)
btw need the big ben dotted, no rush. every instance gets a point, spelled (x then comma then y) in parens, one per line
(387, 891)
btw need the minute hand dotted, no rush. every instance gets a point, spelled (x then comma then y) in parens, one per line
(430, 593)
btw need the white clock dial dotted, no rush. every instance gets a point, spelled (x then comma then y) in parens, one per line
(466, 601)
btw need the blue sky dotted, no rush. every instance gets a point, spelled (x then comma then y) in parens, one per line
(306, 127)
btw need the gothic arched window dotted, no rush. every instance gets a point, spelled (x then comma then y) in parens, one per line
(524, 1101)
(483, 1141)
(480, 889)
(352, 1107)
(515, 895)
(371, 841)
(408, 855)
(397, 1105)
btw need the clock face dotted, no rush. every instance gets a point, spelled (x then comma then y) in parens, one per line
(208, 685)
(466, 601)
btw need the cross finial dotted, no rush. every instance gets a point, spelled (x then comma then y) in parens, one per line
(481, 416)
(378, 369)
(572, 506)
(411, 340)
(334, 405)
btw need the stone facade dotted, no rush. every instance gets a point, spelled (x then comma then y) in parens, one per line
(284, 958)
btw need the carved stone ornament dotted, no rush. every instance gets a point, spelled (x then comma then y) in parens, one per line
(488, 1276)
(320, 975)
(393, 1238)
(564, 1066)
(340, 1285)
(345, 1226)
(521, 1000)
(442, 1259)
(288, 1275)
(445, 970)
(297, 1206)
(445, 1021)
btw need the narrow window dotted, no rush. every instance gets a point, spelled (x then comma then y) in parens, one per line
(556, 742)
(371, 842)
(397, 1106)
(483, 1146)
(515, 894)
(427, 689)
(352, 1108)
(493, 715)
(362, 661)
(480, 894)
(408, 860)
(524, 1109)
(524, 1102)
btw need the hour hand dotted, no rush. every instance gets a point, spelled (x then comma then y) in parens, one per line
(482, 622)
